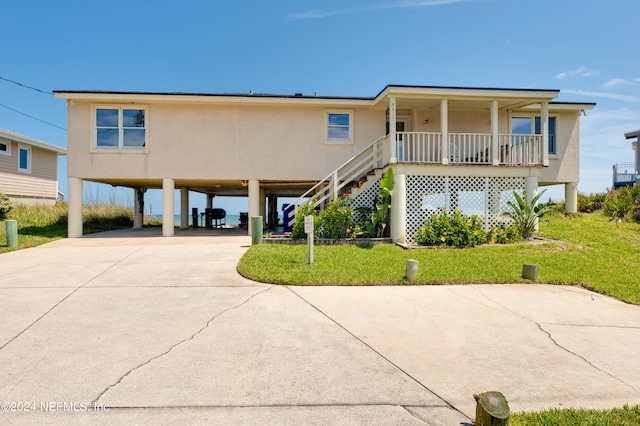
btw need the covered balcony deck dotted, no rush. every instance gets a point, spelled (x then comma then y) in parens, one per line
(468, 148)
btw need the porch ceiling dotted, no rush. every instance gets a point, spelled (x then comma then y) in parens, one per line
(459, 104)
(216, 187)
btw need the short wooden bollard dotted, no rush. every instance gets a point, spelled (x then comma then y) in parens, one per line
(492, 409)
(530, 272)
(256, 230)
(12, 233)
(412, 270)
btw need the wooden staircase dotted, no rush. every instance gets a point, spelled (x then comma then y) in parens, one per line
(352, 177)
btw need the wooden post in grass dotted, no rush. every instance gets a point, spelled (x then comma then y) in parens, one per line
(492, 409)
(256, 230)
(12, 233)
(412, 270)
(530, 272)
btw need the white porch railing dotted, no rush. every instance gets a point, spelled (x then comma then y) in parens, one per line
(374, 156)
(469, 148)
(419, 147)
(521, 150)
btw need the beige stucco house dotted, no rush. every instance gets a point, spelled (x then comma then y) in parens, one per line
(451, 147)
(28, 168)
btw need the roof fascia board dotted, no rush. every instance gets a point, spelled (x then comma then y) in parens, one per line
(466, 93)
(18, 138)
(213, 99)
(566, 106)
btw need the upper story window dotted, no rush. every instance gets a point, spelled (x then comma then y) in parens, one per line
(339, 127)
(24, 159)
(5, 148)
(530, 125)
(120, 128)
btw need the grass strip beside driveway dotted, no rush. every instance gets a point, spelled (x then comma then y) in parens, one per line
(585, 249)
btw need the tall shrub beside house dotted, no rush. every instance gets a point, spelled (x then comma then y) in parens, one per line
(525, 215)
(5, 206)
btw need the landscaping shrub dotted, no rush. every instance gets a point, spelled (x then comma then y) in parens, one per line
(5, 206)
(525, 214)
(451, 230)
(307, 209)
(336, 221)
(591, 203)
(503, 234)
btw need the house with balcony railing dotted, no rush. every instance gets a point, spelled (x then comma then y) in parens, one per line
(451, 148)
(626, 174)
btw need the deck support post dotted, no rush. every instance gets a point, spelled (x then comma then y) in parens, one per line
(444, 128)
(138, 207)
(544, 124)
(399, 210)
(392, 130)
(74, 227)
(168, 187)
(184, 208)
(495, 135)
(254, 199)
(571, 197)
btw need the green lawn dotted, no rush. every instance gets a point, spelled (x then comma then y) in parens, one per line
(586, 249)
(40, 224)
(625, 416)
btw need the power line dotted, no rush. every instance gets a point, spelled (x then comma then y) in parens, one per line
(30, 116)
(27, 87)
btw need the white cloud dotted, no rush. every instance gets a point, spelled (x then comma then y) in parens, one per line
(616, 96)
(617, 83)
(316, 14)
(580, 72)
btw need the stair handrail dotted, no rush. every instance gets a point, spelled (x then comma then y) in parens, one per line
(333, 176)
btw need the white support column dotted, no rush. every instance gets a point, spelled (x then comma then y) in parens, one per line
(263, 205)
(544, 124)
(495, 135)
(571, 197)
(138, 214)
(444, 128)
(168, 186)
(392, 130)
(532, 189)
(254, 200)
(399, 210)
(74, 225)
(184, 208)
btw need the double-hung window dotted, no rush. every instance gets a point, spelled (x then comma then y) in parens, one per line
(531, 125)
(339, 127)
(120, 128)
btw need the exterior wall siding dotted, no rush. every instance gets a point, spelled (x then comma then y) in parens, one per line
(195, 141)
(565, 166)
(41, 183)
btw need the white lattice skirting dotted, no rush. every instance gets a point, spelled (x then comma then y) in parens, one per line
(482, 196)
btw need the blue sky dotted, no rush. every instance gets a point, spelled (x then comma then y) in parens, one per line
(586, 48)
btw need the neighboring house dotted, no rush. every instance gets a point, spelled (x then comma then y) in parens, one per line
(625, 174)
(28, 168)
(451, 147)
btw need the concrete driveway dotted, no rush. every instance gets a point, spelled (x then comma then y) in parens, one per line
(130, 328)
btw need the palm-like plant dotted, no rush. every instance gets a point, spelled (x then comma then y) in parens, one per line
(525, 215)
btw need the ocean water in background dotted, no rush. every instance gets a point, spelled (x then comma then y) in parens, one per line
(231, 219)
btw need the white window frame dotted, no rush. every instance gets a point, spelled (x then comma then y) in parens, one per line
(8, 144)
(120, 148)
(333, 141)
(29, 159)
(533, 116)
